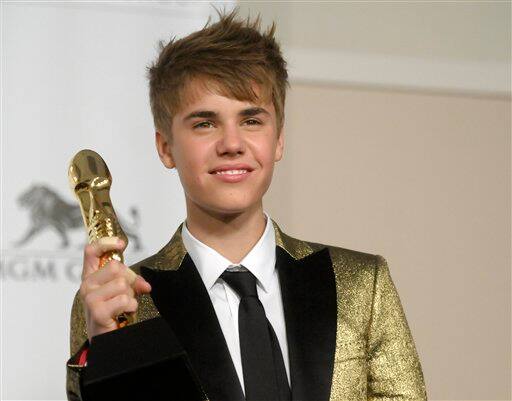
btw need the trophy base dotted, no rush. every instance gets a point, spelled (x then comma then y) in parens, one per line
(142, 362)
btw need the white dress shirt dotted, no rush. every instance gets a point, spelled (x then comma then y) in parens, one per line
(260, 261)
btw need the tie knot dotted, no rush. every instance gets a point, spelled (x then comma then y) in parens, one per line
(244, 283)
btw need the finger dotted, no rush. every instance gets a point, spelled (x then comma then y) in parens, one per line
(93, 252)
(130, 275)
(105, 313)
(141, 286)
(121, 304)
(110, 290)
(109, 272)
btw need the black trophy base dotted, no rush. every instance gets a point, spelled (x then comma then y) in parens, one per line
(142, 362)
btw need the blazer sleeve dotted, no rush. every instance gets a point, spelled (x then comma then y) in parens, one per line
(78, 341)
(394, 369)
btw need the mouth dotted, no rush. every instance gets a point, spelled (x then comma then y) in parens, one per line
(231, 169)
(231, 174)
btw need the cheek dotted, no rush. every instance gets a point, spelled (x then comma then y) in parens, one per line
(192, 171)
(265, 155)
(194, 163)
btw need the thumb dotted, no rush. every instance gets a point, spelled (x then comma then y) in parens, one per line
(141, 286)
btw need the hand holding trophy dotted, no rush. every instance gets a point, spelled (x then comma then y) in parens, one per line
(109, 288)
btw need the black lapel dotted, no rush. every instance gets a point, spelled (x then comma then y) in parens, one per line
(182, 299)
(309, 300)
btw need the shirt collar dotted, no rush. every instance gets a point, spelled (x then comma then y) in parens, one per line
(210, 264)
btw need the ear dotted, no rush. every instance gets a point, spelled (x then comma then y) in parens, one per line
(279, 146)
(164, 149)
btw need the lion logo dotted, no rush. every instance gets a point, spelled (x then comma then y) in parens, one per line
(48, 210)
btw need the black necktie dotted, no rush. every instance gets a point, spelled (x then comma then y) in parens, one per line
(262, 361)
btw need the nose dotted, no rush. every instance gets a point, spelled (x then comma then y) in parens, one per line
(231, 141)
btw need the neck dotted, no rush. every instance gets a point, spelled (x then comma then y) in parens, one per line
(231, 235)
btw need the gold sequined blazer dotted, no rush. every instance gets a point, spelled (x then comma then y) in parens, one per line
(347, 334)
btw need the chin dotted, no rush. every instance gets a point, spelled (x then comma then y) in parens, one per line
(232, 207)
(233, 202)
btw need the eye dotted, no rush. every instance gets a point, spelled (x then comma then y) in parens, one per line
(252, 121)
(204, 124)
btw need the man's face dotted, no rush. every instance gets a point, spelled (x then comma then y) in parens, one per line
(224, 150)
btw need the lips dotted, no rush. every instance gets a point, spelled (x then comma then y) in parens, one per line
(231, 169)
(232, 173)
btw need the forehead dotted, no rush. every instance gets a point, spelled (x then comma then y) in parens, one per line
(198, 89)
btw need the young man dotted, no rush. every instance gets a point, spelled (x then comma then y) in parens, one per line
(261, 315)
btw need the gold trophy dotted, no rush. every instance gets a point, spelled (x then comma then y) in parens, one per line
(90, 180)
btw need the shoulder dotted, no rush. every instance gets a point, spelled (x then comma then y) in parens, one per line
(355, 270)
(343, 259)
(356, 273)
(355, 276)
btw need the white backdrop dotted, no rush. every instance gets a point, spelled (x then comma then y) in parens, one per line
(73, 77)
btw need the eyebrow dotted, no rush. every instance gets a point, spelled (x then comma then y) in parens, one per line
(201, 114)
(249, 112)
(253, 111)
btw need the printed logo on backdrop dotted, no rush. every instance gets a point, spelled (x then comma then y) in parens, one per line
(51, 246)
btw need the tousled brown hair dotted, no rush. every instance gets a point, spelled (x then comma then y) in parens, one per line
(229, 57)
